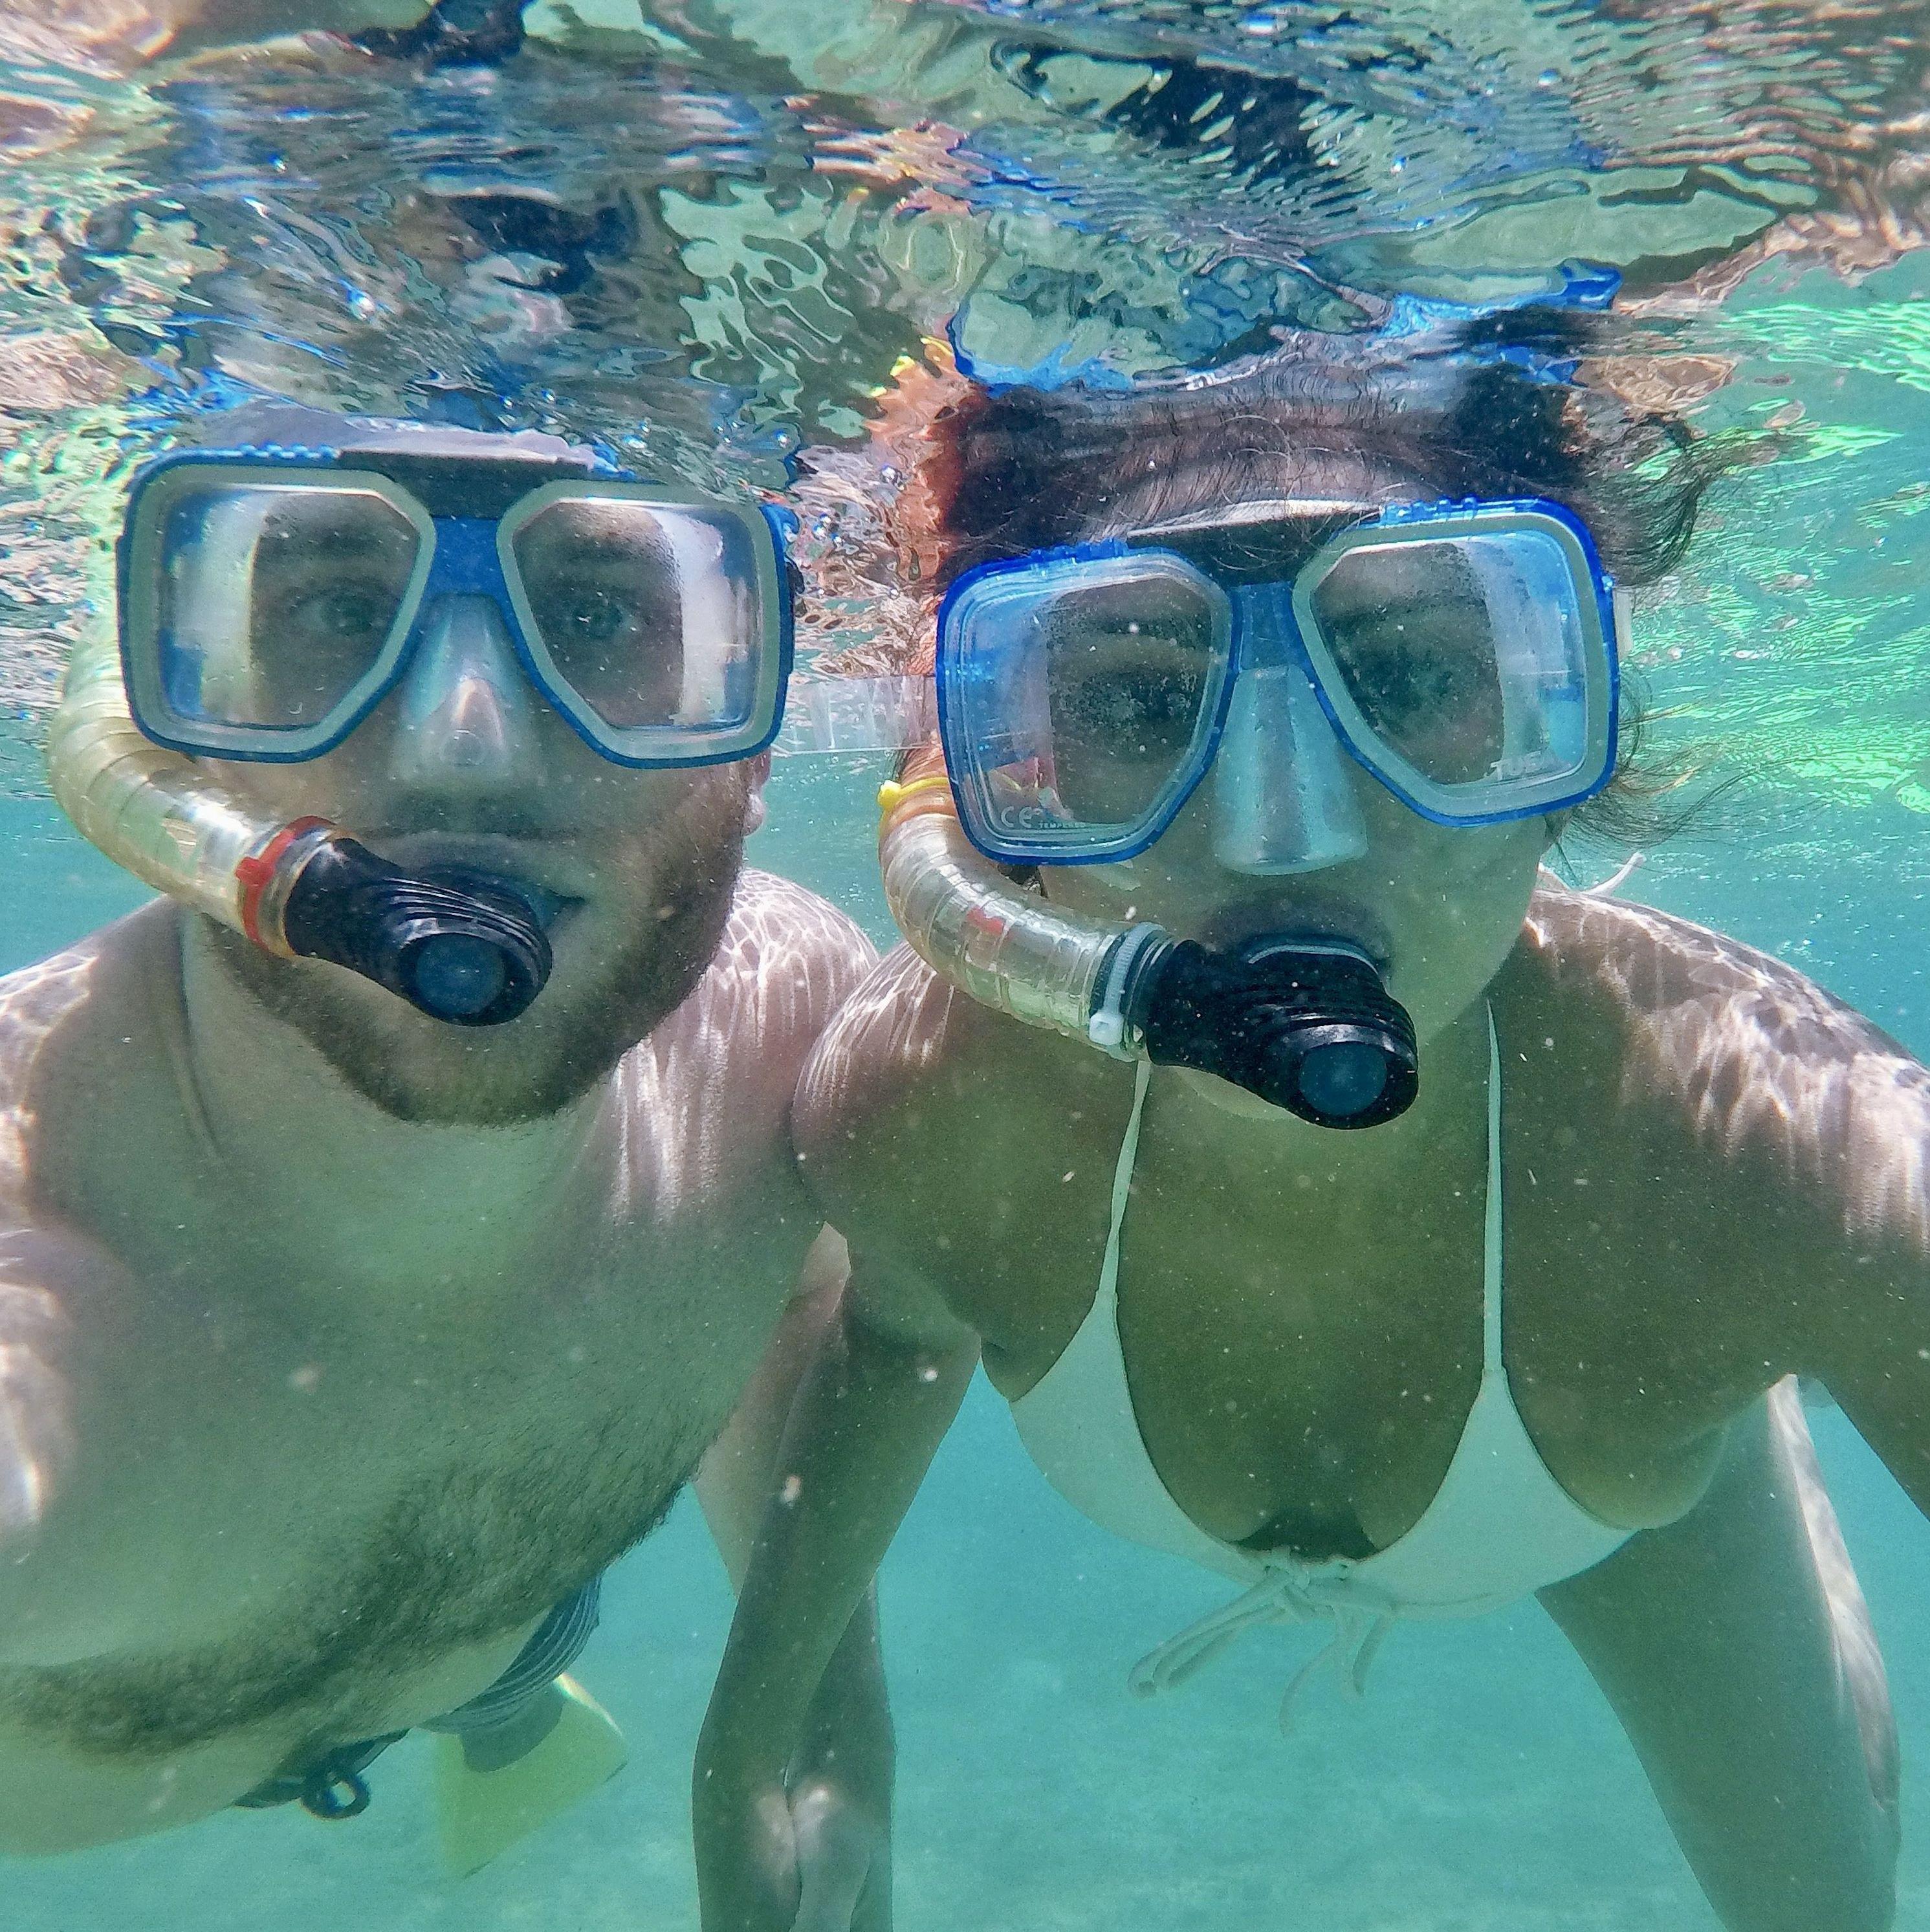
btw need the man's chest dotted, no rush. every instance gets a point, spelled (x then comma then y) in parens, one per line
(330, 1472)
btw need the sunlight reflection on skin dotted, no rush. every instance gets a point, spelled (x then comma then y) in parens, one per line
(36, 1436)
(36, 1429)
(1857, 1648)
(1766, 1061)
(774, 977)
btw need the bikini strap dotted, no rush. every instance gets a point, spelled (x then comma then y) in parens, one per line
(1108, 1297)
(1490, 1293)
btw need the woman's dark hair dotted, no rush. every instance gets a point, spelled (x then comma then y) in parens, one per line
(1490, 410)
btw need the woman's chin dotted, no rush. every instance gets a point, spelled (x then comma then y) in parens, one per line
(1223, 1097)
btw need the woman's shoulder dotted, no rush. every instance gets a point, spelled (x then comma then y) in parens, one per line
(908, 1101)
(1653, 964)
(889, 1040)
(1749, 1049)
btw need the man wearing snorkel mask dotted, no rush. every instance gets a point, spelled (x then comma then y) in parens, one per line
(383, 1240)
(1447, 1238)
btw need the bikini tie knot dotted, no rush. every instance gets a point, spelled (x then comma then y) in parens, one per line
(1282, 1596)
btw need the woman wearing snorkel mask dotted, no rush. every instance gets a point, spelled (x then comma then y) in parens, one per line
(1340, 1203)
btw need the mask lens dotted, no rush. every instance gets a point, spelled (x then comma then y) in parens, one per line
(1465, 657)
(1127, 667)
(273, 605)
(1076, 698)
(651, 613)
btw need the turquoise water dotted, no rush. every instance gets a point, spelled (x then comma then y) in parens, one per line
(773, 206)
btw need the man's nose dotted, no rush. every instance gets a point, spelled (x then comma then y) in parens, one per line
(467, 724)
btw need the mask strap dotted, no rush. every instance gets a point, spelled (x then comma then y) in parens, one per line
(852, 715)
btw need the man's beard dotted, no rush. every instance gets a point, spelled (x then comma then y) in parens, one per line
(425, 1071)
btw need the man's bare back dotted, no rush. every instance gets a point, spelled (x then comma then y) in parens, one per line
(308, 1414)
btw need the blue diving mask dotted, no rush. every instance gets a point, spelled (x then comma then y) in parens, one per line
(1462, 654)
(270, 599)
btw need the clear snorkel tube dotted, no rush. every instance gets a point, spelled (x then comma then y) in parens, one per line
(1007, 948)
(150, 810)
(1309, 1028)
(299, 888)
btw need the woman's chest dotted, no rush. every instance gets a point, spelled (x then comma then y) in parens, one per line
(1300, 1371)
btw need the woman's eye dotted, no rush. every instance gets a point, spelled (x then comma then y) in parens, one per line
(1126, 716)
(1405, 670)
(1431, 689)
(1127, 704)
(1398, 682)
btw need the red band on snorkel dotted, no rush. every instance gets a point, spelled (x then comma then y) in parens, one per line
(253, 874)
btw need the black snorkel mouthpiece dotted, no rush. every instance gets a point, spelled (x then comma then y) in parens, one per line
(1307, 1025)
(461, 946)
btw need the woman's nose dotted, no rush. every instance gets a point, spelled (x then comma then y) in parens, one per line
(467, 720)
(1283, 796)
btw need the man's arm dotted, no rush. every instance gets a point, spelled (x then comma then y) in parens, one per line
(39, 1270)
(875, 1402)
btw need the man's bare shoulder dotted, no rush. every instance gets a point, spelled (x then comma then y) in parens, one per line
(42, 1271)
(46, 1268)
(788, 960)
(35, 1004)
(54, 1012)
(1763, 1062)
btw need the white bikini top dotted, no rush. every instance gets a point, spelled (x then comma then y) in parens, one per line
(1499, 1528)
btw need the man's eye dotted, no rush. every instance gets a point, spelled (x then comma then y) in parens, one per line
(597, 617)
(344, 611)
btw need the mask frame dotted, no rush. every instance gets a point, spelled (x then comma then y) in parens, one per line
(1235, 549)
(465, 511)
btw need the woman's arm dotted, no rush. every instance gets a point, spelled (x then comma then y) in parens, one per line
(1737, 1636)
(1874, 1359)
(1856, 1313)
(870, 1412)
(840, 1778)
